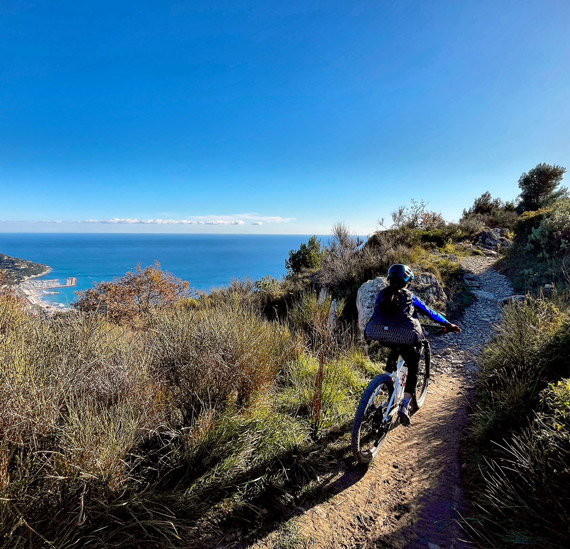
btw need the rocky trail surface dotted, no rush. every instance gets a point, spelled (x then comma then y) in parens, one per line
(411, 495)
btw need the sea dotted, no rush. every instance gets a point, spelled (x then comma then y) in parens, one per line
(206, 261)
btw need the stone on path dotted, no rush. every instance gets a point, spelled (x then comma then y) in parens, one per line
(482, 294)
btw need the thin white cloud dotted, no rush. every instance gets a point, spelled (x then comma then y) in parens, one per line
(237, 219)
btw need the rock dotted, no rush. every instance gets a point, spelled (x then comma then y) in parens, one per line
(333, 313)
(489, 239)
(428, 288)
(323, 296)
(365, 298)
(518, 298)
(494, 239)
(425, 285)
(481, 294)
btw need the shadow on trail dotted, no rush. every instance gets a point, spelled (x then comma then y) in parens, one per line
(307, 482)
(439, 512)
(318, 472)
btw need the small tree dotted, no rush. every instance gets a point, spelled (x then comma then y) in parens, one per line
(307, 258)
(490, 212)
(134, 295)
(539, 187)
(416, 216)
(485, 204)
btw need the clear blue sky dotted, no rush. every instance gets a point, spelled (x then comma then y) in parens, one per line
(273, 116)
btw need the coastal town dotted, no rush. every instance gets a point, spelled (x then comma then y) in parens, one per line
(32, 291)
(24, 277)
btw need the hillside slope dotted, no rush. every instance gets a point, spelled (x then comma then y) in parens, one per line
(14, 270)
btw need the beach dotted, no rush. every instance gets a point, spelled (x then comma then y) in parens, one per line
(33, 290)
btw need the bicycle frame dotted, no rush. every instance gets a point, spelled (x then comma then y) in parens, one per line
(399, 378)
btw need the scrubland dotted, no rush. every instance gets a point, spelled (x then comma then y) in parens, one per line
(155, 416)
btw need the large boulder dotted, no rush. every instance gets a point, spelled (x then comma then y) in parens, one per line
(495, 239)
(425, 285)
(429, 289)
(365, 298)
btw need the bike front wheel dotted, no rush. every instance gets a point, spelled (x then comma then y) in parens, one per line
(369, 430)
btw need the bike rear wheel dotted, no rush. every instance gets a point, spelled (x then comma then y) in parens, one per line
(423, 375)
(369, 431)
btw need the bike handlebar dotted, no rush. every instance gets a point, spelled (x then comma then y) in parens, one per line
(435, 328)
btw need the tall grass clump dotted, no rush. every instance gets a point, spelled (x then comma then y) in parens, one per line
(517, 364)
(525, 498)
(519, 435)
(102, 424)
(343, 380)
(77, 396)
(206, 357)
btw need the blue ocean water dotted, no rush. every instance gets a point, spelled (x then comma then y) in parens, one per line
(206, 261)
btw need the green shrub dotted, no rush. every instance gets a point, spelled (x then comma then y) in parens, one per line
(519, 437)
(490, 212)
(516, 365)
(308, 257)
(541, 250)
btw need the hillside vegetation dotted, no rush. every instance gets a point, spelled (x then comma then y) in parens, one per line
(155, 416)
(518, 448)
(14, 270)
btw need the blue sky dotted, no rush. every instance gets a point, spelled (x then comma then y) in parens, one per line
(272, 117)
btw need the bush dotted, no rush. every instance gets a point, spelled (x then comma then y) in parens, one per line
(308, 257)
(519, 434)
(416, 216)
(541, 250)
(516, 365)
(490, 212)
(526, 494)
(206, 357)
(76, 397)
(135, 295)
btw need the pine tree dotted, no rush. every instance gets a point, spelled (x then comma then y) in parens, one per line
(540, 187)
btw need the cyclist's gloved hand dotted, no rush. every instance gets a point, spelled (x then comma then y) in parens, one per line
(449, 327)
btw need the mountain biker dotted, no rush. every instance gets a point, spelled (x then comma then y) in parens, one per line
(394, 323)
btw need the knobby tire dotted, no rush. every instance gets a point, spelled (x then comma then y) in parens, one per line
(364, 432)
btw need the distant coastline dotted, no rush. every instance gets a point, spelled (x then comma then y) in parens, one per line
(206, 261)
(33, 291)
(15, 270)
(16, 273)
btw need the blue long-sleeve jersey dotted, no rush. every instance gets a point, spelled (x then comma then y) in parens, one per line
(434, 315)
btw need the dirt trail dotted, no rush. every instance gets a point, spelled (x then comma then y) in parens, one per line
(411, 495)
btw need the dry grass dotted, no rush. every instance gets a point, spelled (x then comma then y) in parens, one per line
(136, 435)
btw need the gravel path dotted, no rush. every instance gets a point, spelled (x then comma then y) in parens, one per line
(411, 496)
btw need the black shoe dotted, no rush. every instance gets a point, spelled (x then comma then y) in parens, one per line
(404, 415)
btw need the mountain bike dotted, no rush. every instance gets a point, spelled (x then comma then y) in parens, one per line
(377, 413)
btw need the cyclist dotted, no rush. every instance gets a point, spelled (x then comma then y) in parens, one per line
(394, 323)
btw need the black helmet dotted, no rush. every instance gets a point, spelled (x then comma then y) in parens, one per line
(400, 275)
